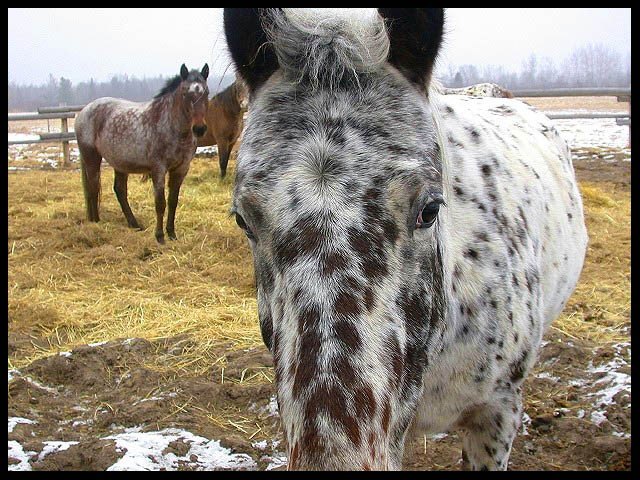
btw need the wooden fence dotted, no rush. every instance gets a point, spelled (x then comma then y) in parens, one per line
(66, 112)
(622, 94)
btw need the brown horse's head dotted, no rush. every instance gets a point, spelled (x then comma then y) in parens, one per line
(195, 94)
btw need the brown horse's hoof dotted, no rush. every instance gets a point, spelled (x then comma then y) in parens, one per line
(172, 235)
(160, 239)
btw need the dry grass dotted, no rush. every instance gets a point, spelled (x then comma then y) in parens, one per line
(71, 282)
(594, 104)
(600, 308)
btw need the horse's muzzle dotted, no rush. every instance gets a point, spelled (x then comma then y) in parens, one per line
(199, 130)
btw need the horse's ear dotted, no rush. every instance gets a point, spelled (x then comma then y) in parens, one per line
(248, 44)
(415, 35)
(205, 71)
(184, 73)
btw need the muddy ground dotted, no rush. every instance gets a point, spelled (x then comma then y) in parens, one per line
(77, 410)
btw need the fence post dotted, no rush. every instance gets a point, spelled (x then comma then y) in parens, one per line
(65, 144)
(627, 98)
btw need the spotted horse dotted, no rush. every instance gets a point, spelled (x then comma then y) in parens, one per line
(409, 248)
(480, 90)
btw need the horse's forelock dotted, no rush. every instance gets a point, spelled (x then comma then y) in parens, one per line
(323, 48)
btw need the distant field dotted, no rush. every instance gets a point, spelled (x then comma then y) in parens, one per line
(596, 104)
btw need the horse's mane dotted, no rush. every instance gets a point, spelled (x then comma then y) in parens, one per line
(322, 48)
(169, 86)
(228, 98)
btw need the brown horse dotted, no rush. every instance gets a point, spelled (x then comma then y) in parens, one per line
(155, 137)
(224, 121)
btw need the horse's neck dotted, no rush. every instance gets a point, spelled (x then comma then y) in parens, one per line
(173, 115)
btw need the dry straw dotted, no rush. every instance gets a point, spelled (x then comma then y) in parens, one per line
(72, 283)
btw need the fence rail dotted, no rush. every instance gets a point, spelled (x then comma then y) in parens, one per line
(65, 136)
(64, 113)
(622, 95)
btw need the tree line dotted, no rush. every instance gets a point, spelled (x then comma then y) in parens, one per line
(61, 91)
(592, 65)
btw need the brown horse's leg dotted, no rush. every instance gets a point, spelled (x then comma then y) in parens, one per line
(175, 181)
(120, 188)
(223, 155)
(90, 161)
(158, 177)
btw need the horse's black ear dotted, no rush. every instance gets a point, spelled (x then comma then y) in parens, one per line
(184, 73)
(248, 44)
(415, 35)
(205, 71)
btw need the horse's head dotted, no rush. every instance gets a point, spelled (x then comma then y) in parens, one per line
(195, 95)
(338, 188)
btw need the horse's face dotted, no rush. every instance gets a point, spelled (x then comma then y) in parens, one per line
(195, 95)
(338, 189)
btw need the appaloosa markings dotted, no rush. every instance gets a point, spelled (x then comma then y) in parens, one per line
(409, 248)
(155, 137)
(480, 90)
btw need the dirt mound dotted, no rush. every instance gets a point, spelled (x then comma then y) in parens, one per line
(101, 390)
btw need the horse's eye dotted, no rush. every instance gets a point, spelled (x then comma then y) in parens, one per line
(243, 225)
(428, 215)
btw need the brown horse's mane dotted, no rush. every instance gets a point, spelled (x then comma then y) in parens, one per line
(228, 99)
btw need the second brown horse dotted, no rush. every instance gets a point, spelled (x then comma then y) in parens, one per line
(224, 121)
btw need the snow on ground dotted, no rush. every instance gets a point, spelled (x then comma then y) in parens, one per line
(22, 136)
(592, 132)
(53, 447)
(148, 451)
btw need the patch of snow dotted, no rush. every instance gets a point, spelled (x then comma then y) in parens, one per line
(13, 421)
(97, 344)
(548, 376)
(143, 451)
(598, 417)
(17, 452)
(13, 372)
(22, 136)
(562, 410)
(150, 399)
(40, 386)
(275, 461)
(261, 445)
(526, 420)
(621, 434)
(272, 407)
(53, 447)
(593, 132)
(614, 381)
(580, 413)
(438, 436)
(64, 354)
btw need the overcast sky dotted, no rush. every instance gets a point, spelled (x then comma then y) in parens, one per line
(82, 43)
